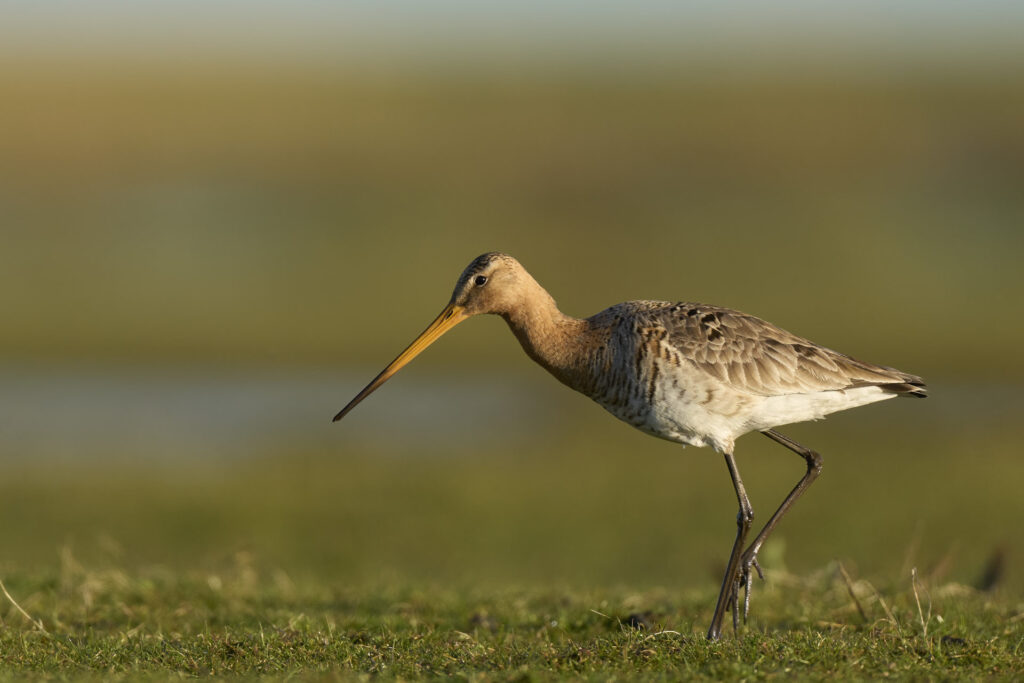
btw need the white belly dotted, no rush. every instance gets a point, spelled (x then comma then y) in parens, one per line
(712, 414)
(787, 409)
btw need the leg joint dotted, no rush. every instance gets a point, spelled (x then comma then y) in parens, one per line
(814, 462)
(745, 517)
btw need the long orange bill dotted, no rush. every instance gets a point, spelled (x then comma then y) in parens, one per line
(451, 316)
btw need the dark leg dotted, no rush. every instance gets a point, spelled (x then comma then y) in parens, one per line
(729, 583)
(749, 558)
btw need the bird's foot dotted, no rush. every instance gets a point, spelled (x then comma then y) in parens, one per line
(744, 580)
(748, 580)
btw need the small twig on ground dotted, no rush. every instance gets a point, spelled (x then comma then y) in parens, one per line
(920, 614)
(662, 633)
(853, 595)
(888, 612)
(35, 622)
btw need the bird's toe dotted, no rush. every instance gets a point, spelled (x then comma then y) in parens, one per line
(747, 579)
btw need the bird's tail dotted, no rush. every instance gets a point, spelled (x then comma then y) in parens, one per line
(911, 386)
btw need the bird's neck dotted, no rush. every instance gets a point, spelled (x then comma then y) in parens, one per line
(548, 336)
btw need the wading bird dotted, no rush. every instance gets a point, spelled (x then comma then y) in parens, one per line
(690, 373)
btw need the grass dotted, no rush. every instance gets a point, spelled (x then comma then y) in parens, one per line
(115, 625)
(561, 559)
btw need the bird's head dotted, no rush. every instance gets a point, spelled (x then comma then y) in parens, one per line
(492, 283)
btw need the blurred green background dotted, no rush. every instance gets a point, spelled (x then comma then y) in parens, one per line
(219, 221)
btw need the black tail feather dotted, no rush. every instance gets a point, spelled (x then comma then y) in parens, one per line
(916, 389)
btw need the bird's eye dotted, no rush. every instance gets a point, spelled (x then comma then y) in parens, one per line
(480, 280)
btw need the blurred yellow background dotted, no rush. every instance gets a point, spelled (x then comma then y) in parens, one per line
(219, 221)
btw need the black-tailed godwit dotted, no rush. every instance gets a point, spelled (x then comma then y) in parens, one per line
(690, 373)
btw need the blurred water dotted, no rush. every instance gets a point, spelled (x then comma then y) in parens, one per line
(157, 412)
(201, 412)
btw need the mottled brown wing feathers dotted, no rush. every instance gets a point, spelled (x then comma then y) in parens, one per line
(755, 356)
